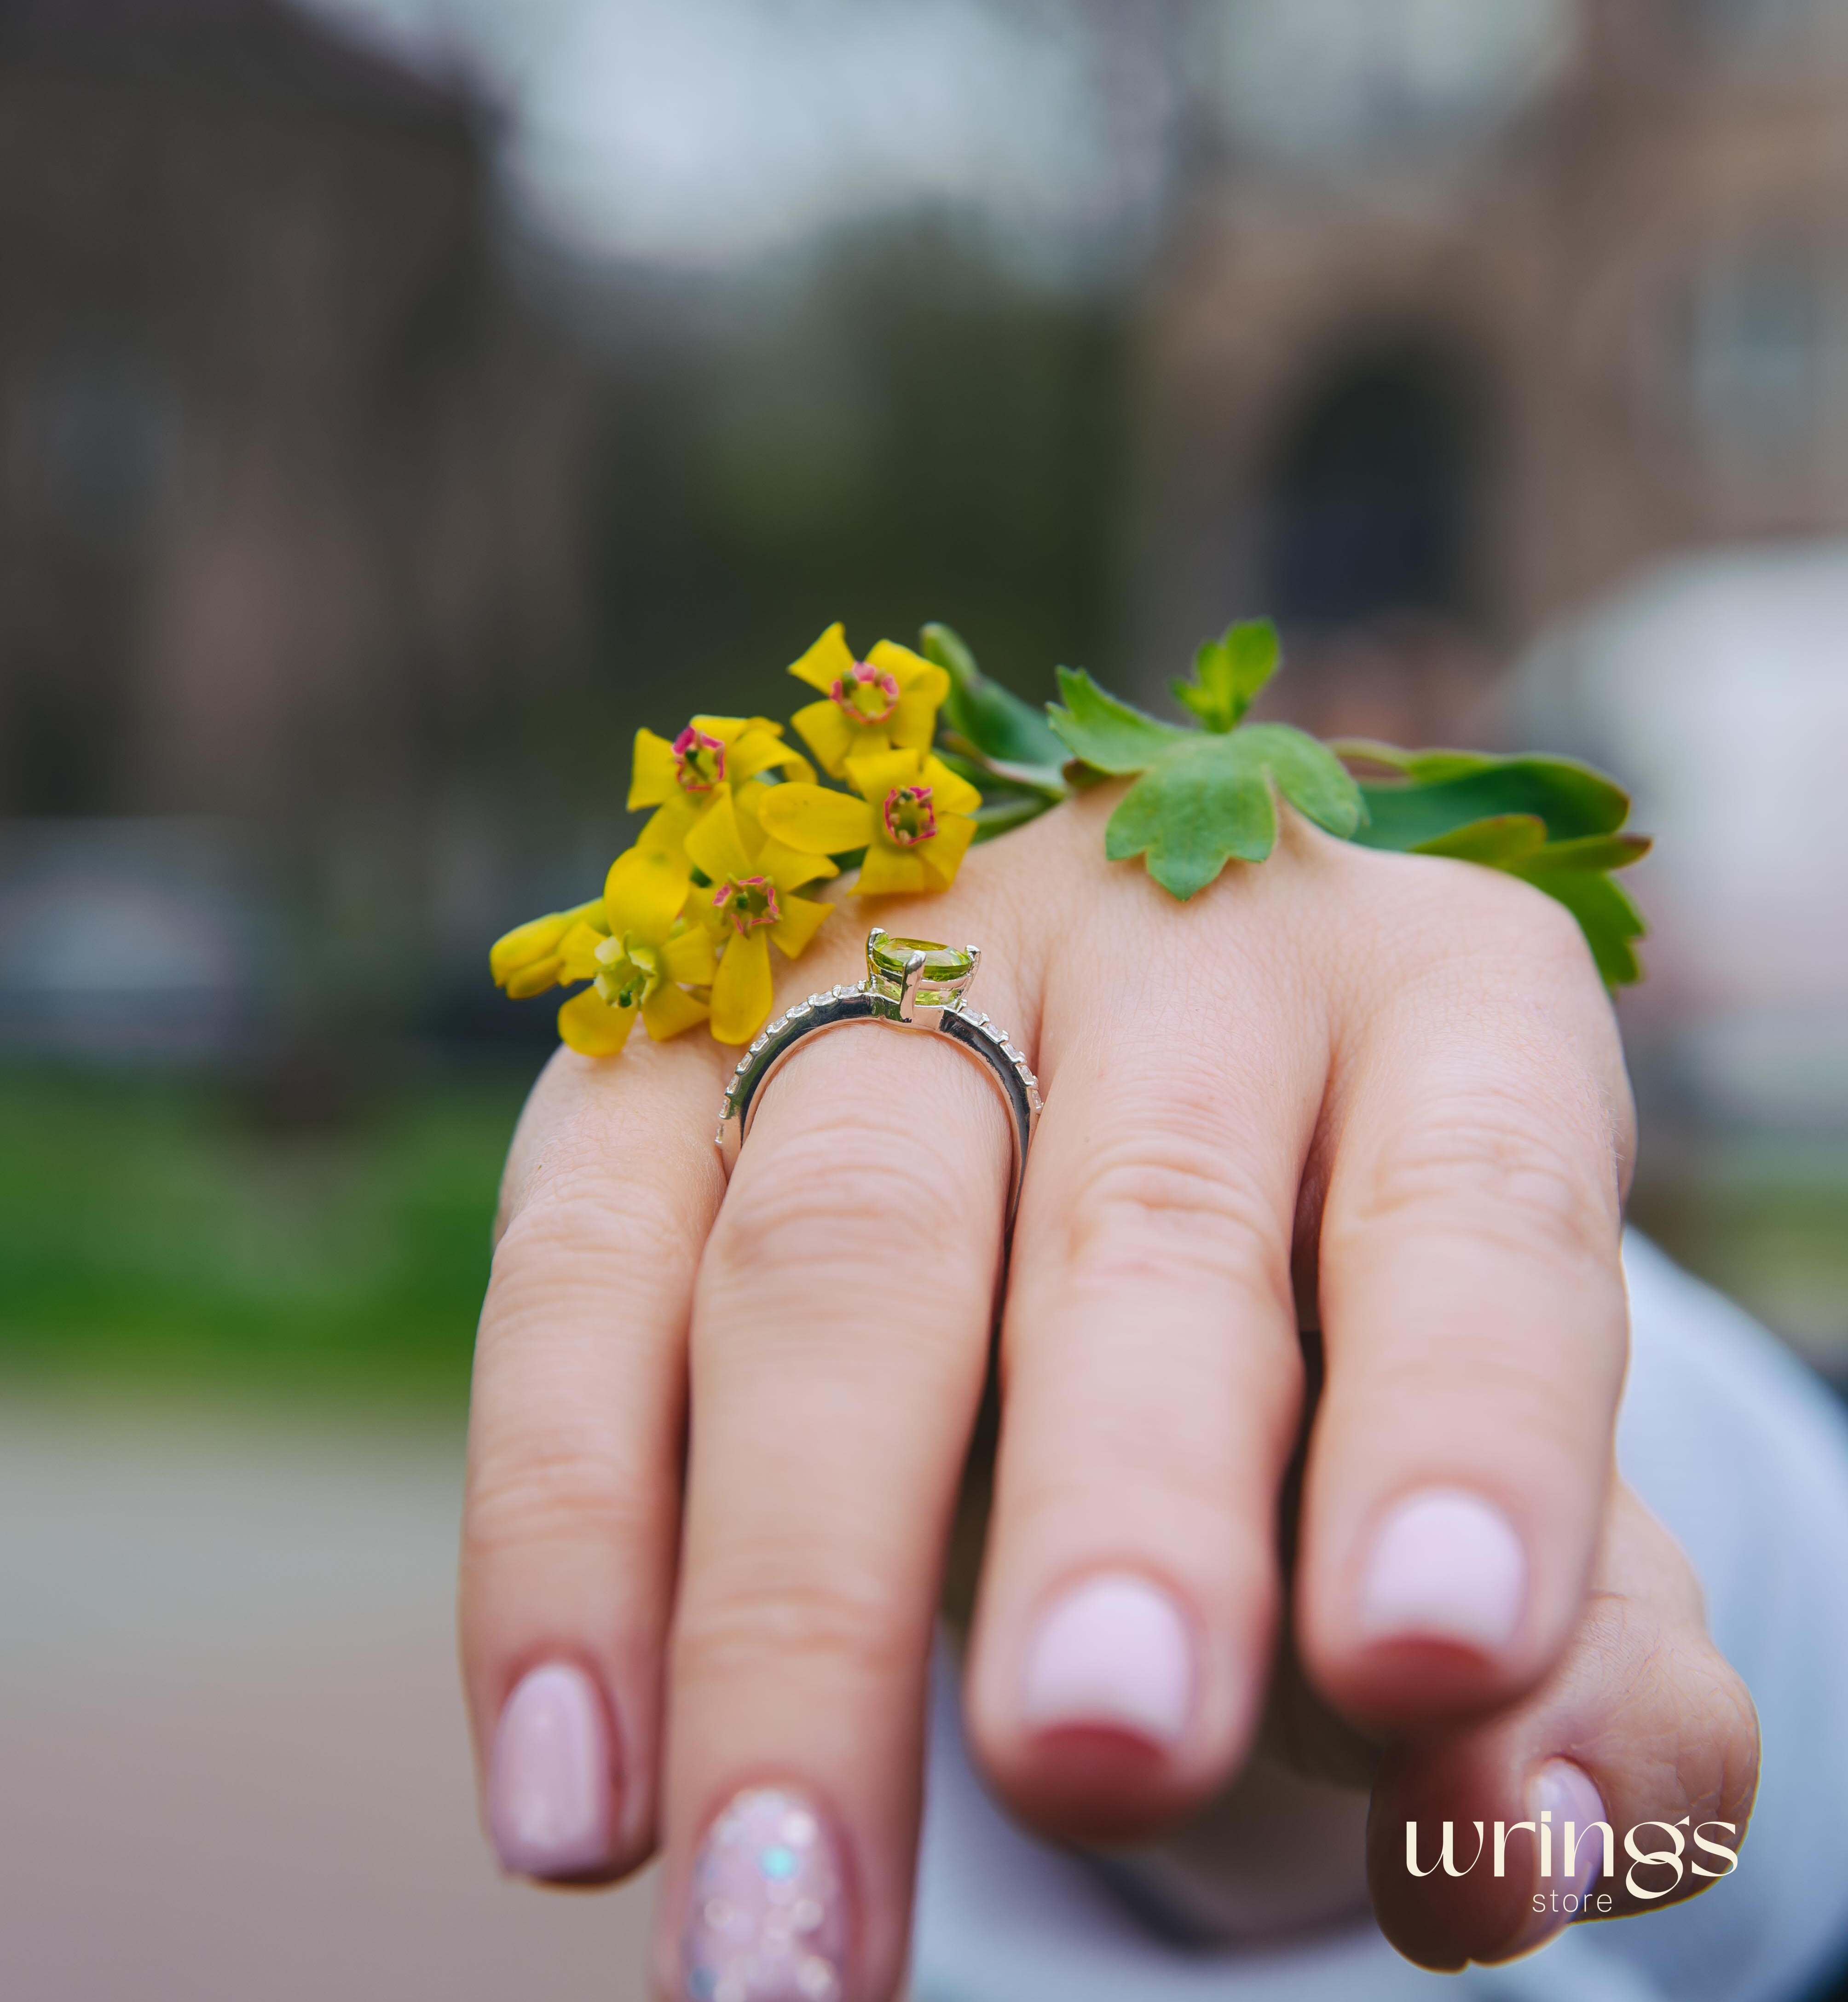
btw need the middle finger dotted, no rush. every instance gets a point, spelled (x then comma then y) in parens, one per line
(1151, 1366)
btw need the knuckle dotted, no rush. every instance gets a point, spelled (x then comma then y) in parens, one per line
(1522, 1385)
(588, 1215)
(850, 1624)
(1173, 1204)
(1510, 920)
(1487, 1167)
(1676, 1716)
(546, 1490)
(843, 1196)
(1432, 919)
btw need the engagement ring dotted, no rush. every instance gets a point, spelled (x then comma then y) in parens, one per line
(911, 984)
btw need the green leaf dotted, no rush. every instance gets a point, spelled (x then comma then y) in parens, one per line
(1209, 797)
(1105, 733)
(1229, 672)
(1605, 915)
(992, 720)
(1498, 842)
(1000, 813)
(1595, 852)
(1446, 791)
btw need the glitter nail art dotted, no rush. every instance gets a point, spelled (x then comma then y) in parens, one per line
(767, 1909)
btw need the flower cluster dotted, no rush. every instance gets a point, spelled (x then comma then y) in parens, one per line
(682, 932)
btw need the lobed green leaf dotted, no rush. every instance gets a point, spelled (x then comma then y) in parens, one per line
(1229, 672)
(1204, 797)
(1210, 798)
(1105, 733)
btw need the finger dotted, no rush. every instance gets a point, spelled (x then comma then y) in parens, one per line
(1472, 1303)
(839, 1340)
(571, 1510)
(1150, 1370)
(1643, 1744)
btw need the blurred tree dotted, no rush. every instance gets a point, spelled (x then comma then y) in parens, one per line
(909, 435)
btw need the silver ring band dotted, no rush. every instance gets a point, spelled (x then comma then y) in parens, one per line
(893, 1004)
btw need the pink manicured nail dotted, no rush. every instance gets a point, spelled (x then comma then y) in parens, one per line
(1114, 1651)
(768, 1913)
(1446, 1566)
(550, 1798)
(1562, 1791)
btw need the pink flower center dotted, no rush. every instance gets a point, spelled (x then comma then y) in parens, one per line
(698, 760)
(910, 816)
(747, 901)
(865, 694)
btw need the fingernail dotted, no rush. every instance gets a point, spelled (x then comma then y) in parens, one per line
(768, 1915)
(551, 1801)
(1115, 1651)
(1562, 1791)
(1446, 1566)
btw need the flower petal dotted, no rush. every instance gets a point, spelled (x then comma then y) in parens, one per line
(915, 675)
(943, 854)
(592, 1028)
(891, 872)
(666, 831)
(727, 729)
(802, 917)
(655, 776)
(643, 894)
(815, 821)
(578, 952)
(715, 844)
(688, 956)
(790, 868)
(874, 774)
(951, 793)
(913, 723)
(527, 981)
(760, 750)
(741, 989)
(669, 1011)
(536, 939)
(828, 734)
(826, 660)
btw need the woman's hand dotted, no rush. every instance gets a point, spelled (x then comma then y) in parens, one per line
(716, 1444)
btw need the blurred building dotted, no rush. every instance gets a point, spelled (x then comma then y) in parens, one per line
(291, 491)
(1561, 294)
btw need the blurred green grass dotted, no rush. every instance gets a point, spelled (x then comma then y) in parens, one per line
(162, 1235)
(1764, 1218)
(155, 1235)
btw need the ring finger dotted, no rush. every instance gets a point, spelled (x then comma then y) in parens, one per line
(839, 1340)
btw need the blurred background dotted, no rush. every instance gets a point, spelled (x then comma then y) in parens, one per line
(401, 401)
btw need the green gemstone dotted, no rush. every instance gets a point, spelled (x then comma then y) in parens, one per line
(944, 967)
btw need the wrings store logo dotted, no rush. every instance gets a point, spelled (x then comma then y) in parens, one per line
(1589, 1856)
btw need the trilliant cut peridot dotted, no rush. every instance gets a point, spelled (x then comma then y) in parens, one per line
(945, 967)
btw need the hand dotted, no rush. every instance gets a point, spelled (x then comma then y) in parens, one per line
(716, 1446)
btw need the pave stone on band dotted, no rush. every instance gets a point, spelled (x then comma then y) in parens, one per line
(911, 984)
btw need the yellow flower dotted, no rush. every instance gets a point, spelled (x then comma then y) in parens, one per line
(527, 961)
(639, 954)
(748, 901)
(912, 817)
(684, 778)
(889, 700)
